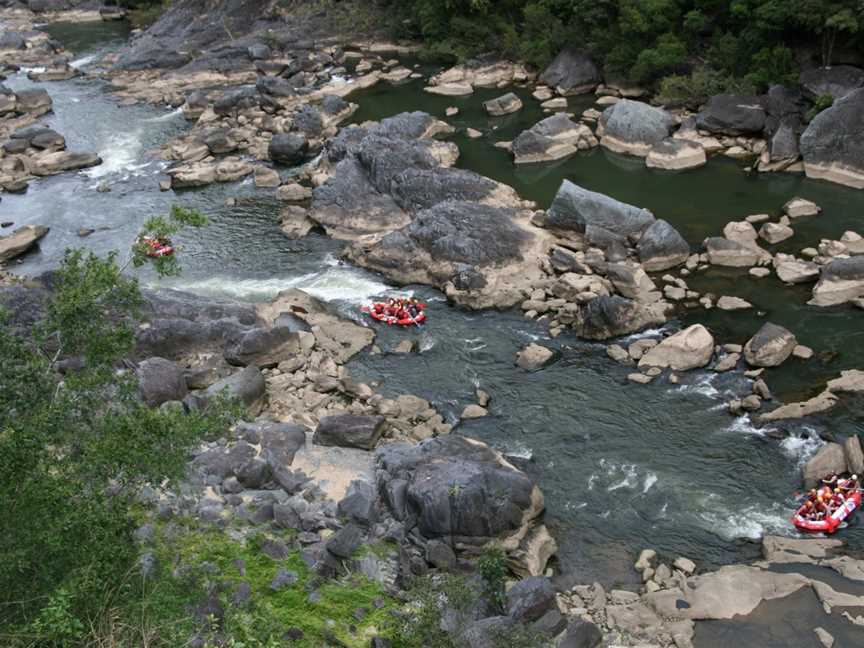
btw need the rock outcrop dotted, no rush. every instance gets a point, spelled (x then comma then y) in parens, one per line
(553, 138)
(633, 127)
(19, 241)
(833, 143)
(461, 491)
(730, 114)
(571, 72)
(840, 281)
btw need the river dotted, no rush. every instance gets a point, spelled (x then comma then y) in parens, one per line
(622, 466)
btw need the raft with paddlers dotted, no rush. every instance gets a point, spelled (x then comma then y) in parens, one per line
(397, 312)
(826, 508)
(156, 246)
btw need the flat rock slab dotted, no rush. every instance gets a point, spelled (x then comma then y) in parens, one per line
(333, 468)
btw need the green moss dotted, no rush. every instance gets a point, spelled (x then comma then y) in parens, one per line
(194, 560)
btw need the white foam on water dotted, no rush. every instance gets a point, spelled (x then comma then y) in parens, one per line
(743, 425)
(591, 479)
(120, 155)
(647, 333)
(650, 480)
(629, 480)
(519, 450)
(81, 62)
(336, 284)
(427, 342)
(703, 385)
(800, 449)
(167, 116)
(752, 522)
(39, 69)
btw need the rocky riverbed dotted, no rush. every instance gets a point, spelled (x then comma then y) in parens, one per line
(348, 461)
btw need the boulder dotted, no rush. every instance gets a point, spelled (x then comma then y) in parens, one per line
(723, 252)
(581, 634)
(553, 138)
(675, 154)
(633, 127)
(456, 488)
(19, 241)
(246, 387)
(798, 207)
(288, 148)
(607, 317)
(854, 456)
(262, 347)
(52, 163)
(661, 247)
(792, 270)
(530, 598)
(770, 347)
(160, 381)
(503, 105)
(841, 281)
(830, 459)
(731, 114)
(687, 349)
(33, 100)
(574, 208)
(836, 81)
(773, 233)
(832, 146)
(571, 72)
(350, 431)
(360, 504)
(630, 281)
(534, 357)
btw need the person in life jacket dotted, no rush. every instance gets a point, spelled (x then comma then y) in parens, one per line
(809, 512)
(821, 508)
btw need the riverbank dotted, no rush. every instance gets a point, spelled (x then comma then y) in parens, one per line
(485, 366)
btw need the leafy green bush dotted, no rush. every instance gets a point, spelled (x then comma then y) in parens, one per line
(74, 450)
(692, 90)
(823, 102)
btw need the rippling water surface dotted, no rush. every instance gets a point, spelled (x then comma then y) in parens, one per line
(622, 466)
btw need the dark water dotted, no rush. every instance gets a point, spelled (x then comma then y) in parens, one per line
(623, 467)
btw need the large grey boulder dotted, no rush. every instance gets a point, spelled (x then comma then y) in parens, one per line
(662, 247)
(152, 57)
(734, 254)
(459, 489)
(246, 386)
(350, 431)
(833, 143)
(633, 127)
(581, 634)
(553, 138)
(33, 100)
(574, 208)
(836, 81)
(530, 598)
(829, 460)
(854, 454)
(161, 380)
(607, 317)
(841, 281)
(675, 154)
(262, 347)
(770, 346)
(785, 108)
(288, 148)
(731, 114)
(571, 72)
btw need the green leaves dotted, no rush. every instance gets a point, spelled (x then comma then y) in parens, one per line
(154, 244)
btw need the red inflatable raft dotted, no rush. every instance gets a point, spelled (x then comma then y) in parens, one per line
(830, 523)
(156, 247)
(383, 313)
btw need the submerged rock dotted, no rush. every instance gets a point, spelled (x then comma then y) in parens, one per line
(534, 357)
(503, 105)
(607, 317)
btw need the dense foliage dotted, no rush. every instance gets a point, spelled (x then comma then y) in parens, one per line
(76, 445)
(760, 41)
